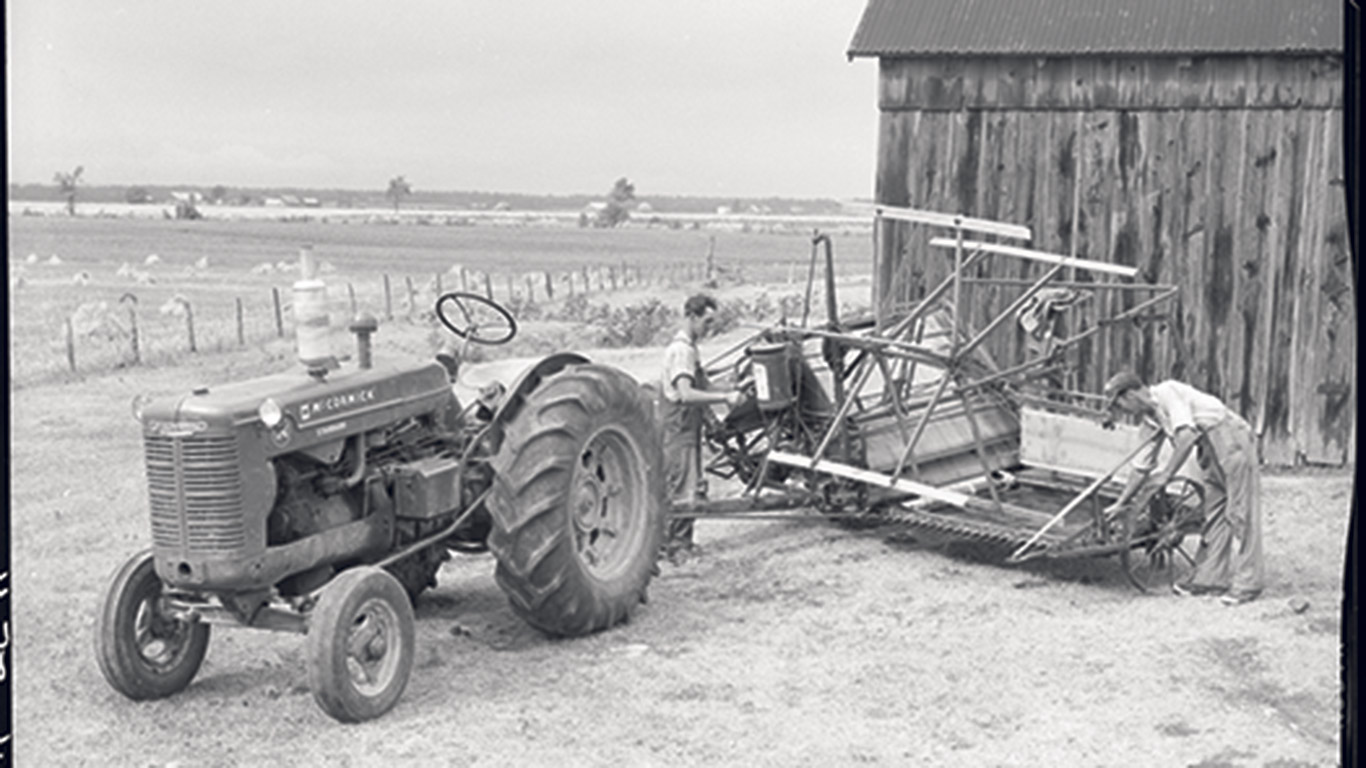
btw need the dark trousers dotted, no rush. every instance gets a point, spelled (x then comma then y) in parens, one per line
(683, 458)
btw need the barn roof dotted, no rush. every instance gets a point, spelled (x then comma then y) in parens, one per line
(1081, 27)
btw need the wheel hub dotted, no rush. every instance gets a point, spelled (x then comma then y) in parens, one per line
(159, 638)
(603, 501)
(368, 658)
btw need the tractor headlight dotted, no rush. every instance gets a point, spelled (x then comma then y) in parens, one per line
(140, 402)
(270, 413)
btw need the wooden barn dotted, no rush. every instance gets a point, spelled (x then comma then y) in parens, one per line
(1198, 140)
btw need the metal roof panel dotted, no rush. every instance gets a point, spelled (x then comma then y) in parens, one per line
(1097, 27)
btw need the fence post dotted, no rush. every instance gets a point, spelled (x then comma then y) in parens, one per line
(70, 345)
(530, 289)
(438, 283)
(464, 280)
(587, 285)
(412, 296)
(131, 302)
(351, 291)
(510, 292)
(241, 336)
(612, 275)
(569, 278)
(549, 287)
(189, 324)
(711, 257)
(488, 286)
(279, 318)
(388, 299)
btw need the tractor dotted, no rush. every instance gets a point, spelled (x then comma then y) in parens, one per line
(324, 500)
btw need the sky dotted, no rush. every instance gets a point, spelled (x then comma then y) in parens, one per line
(744, 98)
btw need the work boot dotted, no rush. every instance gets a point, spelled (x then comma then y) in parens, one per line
(683, 552)
(1185, 589)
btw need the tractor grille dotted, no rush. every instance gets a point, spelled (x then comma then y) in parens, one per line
(194, 486)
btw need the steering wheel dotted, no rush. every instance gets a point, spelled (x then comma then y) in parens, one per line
(485, 321)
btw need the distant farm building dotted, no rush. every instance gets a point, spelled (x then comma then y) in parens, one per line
(1200, 141)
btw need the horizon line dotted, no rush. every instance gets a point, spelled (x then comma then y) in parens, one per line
(381, 191)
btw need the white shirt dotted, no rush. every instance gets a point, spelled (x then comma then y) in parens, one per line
(1178, 405)
(680, 360)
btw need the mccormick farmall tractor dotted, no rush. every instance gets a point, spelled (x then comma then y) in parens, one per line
(322, 501)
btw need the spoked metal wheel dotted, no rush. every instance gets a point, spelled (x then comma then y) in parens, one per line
(1156, 556)
(360, 644)
(608, 487)
(143, 652)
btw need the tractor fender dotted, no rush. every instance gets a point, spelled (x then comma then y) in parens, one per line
(531, 378)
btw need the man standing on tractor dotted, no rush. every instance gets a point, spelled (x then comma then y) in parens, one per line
(684, 397)
(1229, 560)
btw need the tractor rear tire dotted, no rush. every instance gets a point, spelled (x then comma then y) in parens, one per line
(360, 644)
(143, 653)
(578, 501)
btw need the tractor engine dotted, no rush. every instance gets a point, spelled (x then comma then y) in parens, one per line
(411, 471)
(280, 480)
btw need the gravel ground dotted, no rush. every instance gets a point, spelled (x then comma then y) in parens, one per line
(784, 643)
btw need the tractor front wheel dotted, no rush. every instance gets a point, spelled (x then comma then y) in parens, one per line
(144, 653)
(578, 502)
(360, 644)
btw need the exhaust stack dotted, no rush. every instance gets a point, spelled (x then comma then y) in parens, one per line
(364, 325)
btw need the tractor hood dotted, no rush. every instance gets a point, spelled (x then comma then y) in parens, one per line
(309, 402)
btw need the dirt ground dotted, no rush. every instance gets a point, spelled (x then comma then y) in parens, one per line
(785, 643)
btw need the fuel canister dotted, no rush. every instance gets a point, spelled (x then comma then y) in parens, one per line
(772, 375)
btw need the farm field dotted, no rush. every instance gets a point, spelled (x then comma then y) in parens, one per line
(213, 264)
(787, 643)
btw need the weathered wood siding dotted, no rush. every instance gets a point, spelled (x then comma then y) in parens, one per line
(1222, 176)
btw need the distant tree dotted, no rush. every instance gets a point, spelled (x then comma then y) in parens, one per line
(218, 194)
(66, 184)
(399, 188)
(186, 209)
(138, 195)
(617, 209)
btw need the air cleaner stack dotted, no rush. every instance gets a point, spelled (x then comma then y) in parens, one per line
(311, 323)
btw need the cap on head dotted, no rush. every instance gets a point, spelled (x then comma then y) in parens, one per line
(1121, 382)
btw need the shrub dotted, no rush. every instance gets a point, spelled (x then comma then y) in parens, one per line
(637, 325)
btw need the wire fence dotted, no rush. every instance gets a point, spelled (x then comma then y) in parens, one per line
(134, 330)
